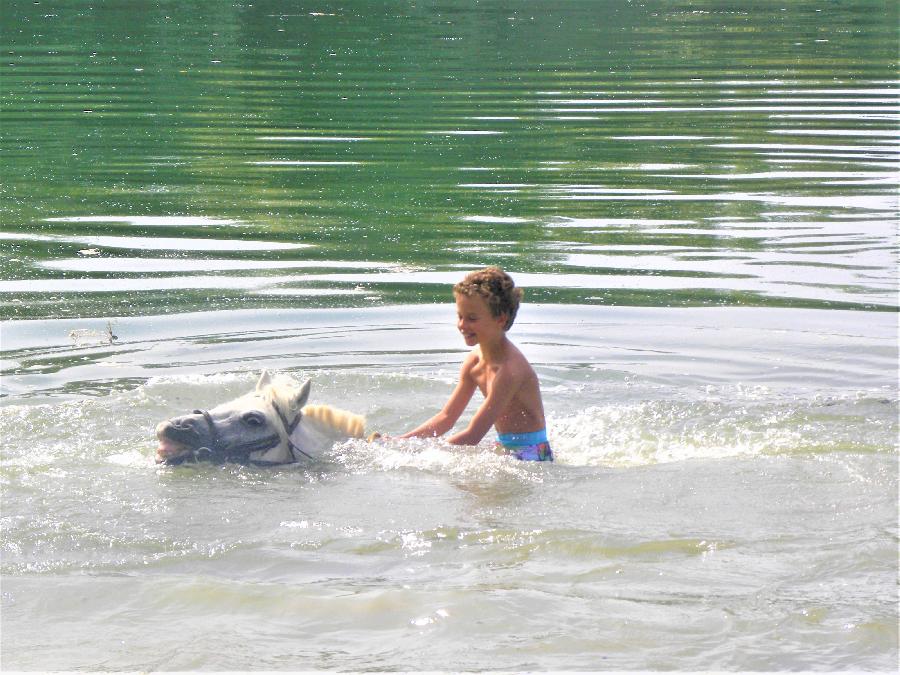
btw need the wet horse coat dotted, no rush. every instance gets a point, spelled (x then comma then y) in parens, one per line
(268, 426)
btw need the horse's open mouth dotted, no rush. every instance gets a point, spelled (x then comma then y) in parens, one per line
(169, 450)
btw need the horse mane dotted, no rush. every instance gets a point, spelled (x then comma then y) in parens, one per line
(341, 420)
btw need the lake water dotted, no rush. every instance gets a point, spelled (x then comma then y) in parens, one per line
(700, 201)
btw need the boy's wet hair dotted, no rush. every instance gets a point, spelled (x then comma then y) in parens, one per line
(497, 288)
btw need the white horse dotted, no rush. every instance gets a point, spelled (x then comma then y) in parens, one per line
(268, 426)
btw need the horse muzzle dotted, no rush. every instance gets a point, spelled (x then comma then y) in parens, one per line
(182, 438)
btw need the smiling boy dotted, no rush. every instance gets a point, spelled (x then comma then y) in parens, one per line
(486, 306)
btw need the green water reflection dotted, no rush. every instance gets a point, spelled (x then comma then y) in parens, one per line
(750, 150)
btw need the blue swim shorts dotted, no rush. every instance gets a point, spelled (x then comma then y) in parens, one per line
(531, 446)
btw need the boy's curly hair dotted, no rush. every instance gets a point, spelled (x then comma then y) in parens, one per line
(497, 288)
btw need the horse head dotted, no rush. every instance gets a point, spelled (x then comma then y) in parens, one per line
(266, 426)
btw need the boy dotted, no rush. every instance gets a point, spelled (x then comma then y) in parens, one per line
(486, 306)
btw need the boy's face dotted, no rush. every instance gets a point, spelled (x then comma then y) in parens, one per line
(474, 320)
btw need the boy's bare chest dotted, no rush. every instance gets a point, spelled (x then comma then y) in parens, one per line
(484, 375)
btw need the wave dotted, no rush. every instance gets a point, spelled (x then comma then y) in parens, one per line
(652, 432)
(649, 426)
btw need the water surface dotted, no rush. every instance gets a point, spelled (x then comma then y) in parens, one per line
(243, 156)
(700, 202)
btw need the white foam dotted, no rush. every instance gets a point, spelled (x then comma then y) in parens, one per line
(430, 455)
(740, 422)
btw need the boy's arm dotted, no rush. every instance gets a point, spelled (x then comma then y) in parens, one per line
(459, 399)
(502, 391)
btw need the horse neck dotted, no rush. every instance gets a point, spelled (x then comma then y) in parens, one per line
(321, 425)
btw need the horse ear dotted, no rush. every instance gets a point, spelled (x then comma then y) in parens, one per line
(299, 399)
(265, 379)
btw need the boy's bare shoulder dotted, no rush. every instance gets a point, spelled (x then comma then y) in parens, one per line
(471, 361)
(518, 361)
(516, 369)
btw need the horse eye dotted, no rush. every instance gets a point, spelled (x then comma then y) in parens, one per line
(254, 419)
